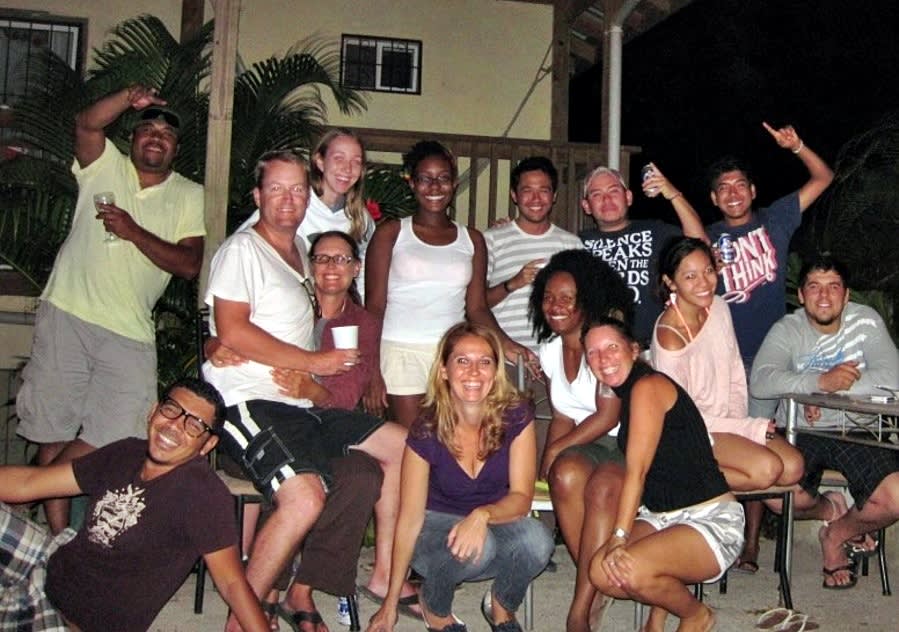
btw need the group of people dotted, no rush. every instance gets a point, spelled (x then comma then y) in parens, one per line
(642, 338)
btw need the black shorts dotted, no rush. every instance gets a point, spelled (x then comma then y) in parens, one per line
(273, 441)
(864, 466)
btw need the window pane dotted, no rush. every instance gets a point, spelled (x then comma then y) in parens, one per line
(375, 63)
(396, 69)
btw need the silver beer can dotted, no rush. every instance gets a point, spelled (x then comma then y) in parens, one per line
(727, 249)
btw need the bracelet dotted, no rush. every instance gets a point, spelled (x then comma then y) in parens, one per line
(620, 533)
(769, 435)
(799, 148)
(506, 287)
(675, 196)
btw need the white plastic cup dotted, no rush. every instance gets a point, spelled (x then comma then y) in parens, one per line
(346, 337)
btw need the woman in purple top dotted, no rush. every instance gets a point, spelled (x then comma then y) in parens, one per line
(467, 486)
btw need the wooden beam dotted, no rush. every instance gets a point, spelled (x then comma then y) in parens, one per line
(560, 75)
(221, 115)
(584, 50)
(191, 18)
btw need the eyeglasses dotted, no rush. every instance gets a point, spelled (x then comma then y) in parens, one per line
(310, 292)
(193, 425)
(340, 260)
(426, 181)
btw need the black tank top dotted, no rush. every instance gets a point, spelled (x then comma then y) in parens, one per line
(683, 471)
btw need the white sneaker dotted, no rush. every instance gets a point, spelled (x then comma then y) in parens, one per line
(343, 611)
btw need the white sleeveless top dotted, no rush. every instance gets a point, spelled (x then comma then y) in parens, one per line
(426, 287)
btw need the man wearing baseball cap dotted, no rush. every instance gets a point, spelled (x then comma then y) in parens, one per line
(92, 372)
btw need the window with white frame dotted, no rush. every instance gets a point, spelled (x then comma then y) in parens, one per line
(23, 38)
(380, 64)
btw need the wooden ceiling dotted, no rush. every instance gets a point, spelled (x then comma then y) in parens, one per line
(586, 22)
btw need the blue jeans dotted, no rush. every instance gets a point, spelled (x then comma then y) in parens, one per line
(514, 553)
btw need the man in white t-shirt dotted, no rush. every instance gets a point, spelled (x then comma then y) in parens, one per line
(518, 249)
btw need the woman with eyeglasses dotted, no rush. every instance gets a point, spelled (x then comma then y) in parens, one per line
(424, 274)
(335, 267)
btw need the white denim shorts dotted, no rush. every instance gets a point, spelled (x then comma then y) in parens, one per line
(719, 523)
(405, 366)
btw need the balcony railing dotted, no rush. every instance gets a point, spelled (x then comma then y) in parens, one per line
(484, 166)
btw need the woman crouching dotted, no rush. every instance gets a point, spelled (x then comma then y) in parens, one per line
(678, 523)
(467, 485)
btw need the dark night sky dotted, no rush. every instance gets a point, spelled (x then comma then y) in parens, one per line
(698, 86)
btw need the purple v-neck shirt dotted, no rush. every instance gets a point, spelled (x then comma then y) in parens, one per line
(450, 488)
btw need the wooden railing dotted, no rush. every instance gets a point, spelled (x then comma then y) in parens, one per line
(484, 166)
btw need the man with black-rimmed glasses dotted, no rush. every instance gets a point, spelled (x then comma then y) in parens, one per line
(155, 506)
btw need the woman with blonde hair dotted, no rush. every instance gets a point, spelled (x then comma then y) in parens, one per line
(467, 486)
(337, 199)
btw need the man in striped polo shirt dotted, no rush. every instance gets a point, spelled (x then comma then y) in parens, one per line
(518, 249)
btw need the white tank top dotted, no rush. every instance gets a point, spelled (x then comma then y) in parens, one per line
(427, 285)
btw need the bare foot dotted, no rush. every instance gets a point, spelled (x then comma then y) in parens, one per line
(598, 610)
(580, 617)
(703, 621)
(656, 620)
(837, 565)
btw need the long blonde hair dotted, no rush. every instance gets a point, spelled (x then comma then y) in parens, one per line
(355, 198)
(440, 417)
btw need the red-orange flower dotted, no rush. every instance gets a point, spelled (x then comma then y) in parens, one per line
(374, 209)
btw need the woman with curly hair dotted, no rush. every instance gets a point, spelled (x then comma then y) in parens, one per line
(581, 460)
(424, 273)
(467, 486)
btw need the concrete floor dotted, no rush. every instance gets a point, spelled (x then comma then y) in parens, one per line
(862, 608)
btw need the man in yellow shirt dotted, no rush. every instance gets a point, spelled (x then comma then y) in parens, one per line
(92, 373)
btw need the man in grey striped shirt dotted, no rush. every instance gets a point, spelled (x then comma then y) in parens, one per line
(518, 249)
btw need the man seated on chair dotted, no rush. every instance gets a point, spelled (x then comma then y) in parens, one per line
(831, 345)
(263, 311)
(155, 506)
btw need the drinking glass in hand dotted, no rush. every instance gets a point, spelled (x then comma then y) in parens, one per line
(106, 197)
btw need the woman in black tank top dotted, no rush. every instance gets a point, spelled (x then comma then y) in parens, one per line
(677, 522)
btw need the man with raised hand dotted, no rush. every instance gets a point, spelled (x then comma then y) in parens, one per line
(92, 373)
(632, 247)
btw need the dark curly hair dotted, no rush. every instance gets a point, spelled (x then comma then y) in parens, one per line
(427, 149)
(600, 290)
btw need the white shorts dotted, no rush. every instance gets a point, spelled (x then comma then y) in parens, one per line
(719, 523)
(406, 365)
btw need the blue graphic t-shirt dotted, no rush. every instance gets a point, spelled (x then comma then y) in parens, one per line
(754, 285)
(633, 252)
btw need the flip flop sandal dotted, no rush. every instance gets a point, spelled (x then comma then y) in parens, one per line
(298, 617)
(797, 622)
(773, 619)
(856, 546)
(270, 609)
(830, 572)
(745, 567)
(404, 605)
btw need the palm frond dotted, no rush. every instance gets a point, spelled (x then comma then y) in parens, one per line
(37, 200)
(859, 215)
(386, 185)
